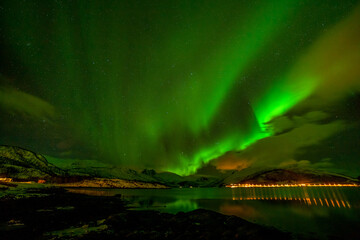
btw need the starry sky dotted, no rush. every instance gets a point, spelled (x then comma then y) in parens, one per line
(183, 85)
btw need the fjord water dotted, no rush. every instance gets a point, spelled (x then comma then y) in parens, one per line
(322, 212)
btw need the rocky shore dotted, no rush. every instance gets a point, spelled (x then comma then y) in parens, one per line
(57, 214)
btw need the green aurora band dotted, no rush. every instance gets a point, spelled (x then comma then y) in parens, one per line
(149, 84)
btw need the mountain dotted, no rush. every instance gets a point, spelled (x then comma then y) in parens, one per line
(237, 176)
(97, 169)
(22, 164)
(294, 176)
(175, 180)
(168, 177)
(110, 183)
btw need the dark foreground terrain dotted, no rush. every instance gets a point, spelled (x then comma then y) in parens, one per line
(57, 214)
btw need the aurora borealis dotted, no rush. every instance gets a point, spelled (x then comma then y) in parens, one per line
(175, 85)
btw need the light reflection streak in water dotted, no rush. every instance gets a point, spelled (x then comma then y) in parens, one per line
(320, 197)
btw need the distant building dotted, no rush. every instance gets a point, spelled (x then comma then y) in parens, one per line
(5, 179)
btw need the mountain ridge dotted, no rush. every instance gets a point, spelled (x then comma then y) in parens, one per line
(21, 164)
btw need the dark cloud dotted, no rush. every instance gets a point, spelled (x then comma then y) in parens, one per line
(15, 101)
(275, 150)
(286, 122)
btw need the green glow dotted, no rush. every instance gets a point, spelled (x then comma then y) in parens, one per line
(183, 205)
(235, 142)
(152, 84)
(282, 96)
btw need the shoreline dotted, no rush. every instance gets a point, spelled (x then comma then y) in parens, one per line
(58, 214)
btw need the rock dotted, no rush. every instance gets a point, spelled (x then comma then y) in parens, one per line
(98, 217)
(198, 224)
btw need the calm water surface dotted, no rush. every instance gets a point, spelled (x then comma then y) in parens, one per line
(323, 212)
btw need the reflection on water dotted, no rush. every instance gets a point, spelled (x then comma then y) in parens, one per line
(185, 205)
(241, 210)
(319, 211)
(91, 191)
(320, 196)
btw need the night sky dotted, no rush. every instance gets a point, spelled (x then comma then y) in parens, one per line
(179, 85)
